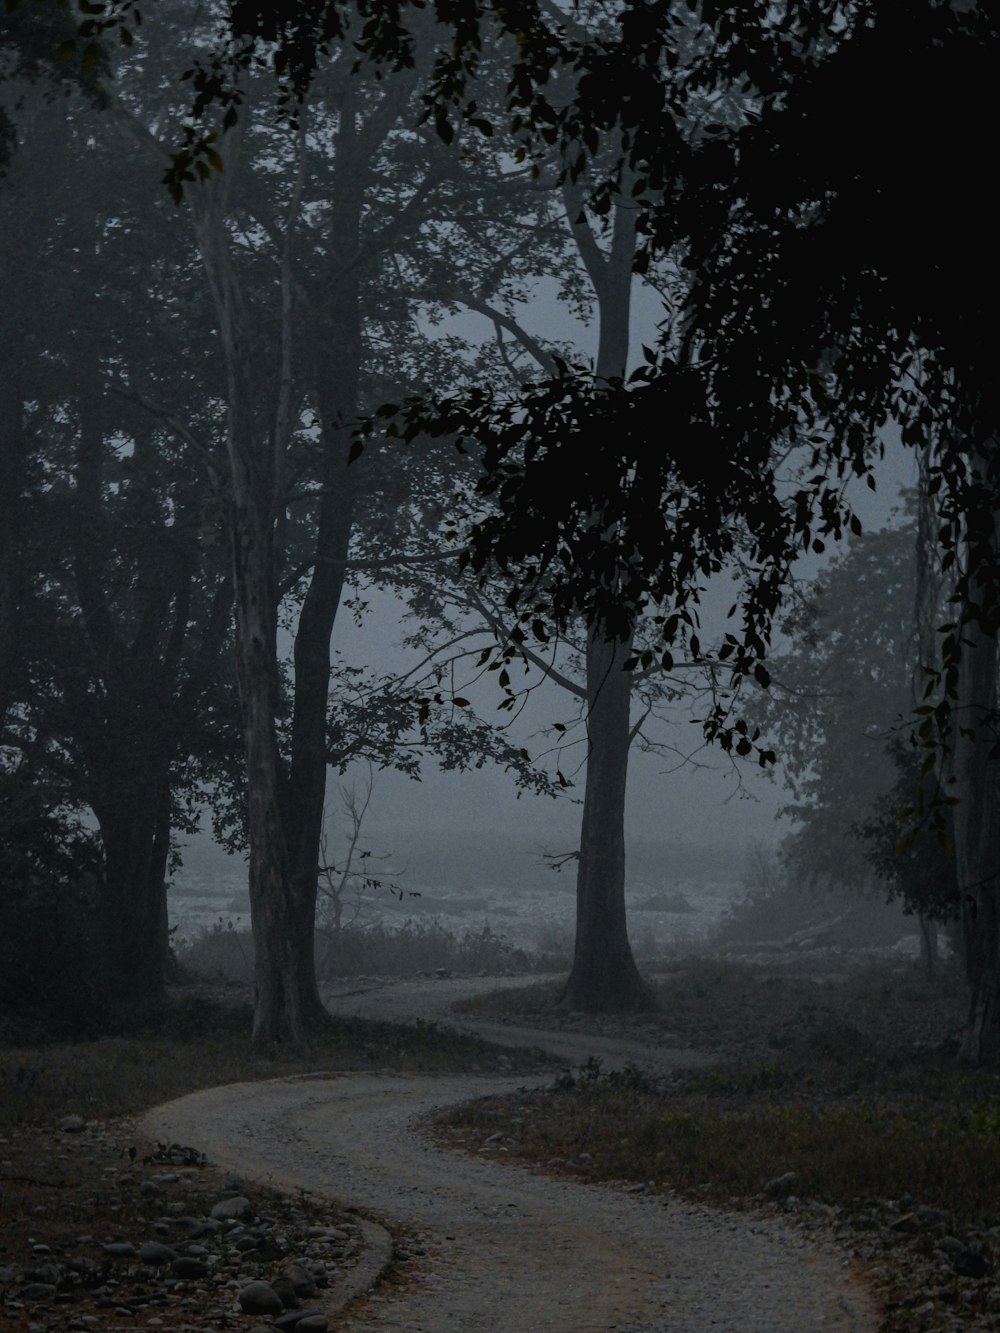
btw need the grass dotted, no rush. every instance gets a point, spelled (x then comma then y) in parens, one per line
(201, 1043)
(850, 1082)
(723, 1148)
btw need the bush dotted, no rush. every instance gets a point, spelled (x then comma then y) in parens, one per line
(416, 946)
(225, 952)
(51, 949)
(774, 905)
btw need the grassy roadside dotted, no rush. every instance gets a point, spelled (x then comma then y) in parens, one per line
(203, 1042)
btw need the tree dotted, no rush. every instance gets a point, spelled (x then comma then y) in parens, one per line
(291, 497)
(910, 852)
(840, 710)
(839, 692)
(800, 201)
(112, 616)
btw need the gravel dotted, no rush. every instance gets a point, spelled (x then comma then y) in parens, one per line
(504, 1248)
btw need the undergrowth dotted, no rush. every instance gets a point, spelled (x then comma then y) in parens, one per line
(198, 1043)
(725, 1138)
(225, 951)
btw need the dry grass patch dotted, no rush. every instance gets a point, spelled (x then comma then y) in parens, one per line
(836, 1154)
(201, 1043)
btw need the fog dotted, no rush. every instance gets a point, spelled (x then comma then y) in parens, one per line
(698, 823)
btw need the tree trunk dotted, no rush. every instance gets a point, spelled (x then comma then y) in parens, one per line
(337, 375)
(252, 511)
(13, 502)
(120, 715)
(928, 943)
(604, 976)
(135, 835)
(977, 838)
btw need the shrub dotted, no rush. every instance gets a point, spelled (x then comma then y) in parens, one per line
(50, 943)
(225, 952)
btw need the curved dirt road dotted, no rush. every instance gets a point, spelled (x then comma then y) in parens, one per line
(507, 1250)
(433, 999)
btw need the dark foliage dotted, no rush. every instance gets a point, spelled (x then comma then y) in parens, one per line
(912, 856)
(52, 979)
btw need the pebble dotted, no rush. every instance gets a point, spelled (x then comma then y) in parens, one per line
(37, 1291)
(177, 1266)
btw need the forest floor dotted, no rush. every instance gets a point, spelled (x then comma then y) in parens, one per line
(834, 1104)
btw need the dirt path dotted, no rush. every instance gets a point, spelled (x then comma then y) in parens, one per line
(506, 1250)
(433, 999)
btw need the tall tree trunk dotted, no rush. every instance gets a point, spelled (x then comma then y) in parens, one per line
(134, 821)
(252, 511)
(337, 374)
(976, 764)
(13, 500)
(977, 838)
(604, 976)
(124, 732)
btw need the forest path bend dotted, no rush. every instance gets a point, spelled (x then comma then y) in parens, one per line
(507, 1250)
(432, 999)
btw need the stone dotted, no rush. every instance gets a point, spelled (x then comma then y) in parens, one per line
(153, 1252)
(313, 1323)
(238, 1206)
(189, 1267)
(294, 1318)
(300, 1280)
(73, 1124)
(286, 1293)
(968, 1263)
(260, 1298)
(119, 1249)
(37, 1291)
(782, 1184)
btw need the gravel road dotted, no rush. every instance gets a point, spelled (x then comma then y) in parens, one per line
(433, 999)
(502, 1249)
